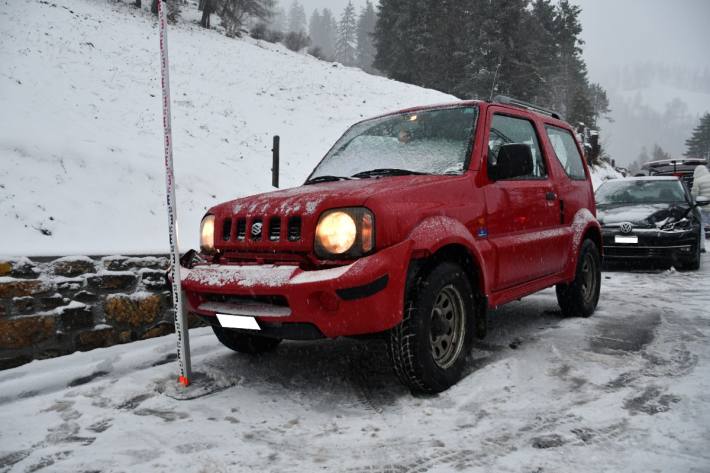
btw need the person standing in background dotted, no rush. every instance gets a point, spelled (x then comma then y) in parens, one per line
(701, 187)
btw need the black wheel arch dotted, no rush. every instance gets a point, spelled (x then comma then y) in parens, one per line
(453, 253)
(461, 256)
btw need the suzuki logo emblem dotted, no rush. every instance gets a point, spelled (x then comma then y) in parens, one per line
(626, 227)
(256, 229)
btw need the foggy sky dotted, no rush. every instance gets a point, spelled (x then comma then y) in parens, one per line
(619, 32)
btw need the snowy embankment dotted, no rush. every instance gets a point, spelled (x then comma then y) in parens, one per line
(625, 390)
(81, 156)
(603, 172)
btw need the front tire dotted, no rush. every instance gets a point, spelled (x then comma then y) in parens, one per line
(580, 297)
(244, 342)
(429, 347)
(693, 264)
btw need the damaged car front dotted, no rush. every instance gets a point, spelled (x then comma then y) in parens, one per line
(649, 219)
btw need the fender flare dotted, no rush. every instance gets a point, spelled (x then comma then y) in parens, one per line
(434, 233)
(583, 223)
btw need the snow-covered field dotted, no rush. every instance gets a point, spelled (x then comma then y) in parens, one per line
(625, 390)
(81, 146)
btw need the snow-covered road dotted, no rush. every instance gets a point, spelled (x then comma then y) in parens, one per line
(626, 390)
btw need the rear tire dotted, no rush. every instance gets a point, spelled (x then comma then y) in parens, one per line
(244, 342)
(429, 347)
(580, 297)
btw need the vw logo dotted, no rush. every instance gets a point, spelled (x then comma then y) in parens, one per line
(626, 227)
(256, 229)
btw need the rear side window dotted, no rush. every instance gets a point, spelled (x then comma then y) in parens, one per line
(566, 151)
(507, 130)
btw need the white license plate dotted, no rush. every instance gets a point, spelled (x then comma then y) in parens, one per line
(626, 239)
(238, 321)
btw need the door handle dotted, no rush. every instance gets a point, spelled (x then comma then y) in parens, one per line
(550, 196)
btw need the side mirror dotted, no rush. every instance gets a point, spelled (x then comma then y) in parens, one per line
(702, 201)
(513, 160)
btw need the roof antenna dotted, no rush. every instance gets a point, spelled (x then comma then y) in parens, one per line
(495, 80)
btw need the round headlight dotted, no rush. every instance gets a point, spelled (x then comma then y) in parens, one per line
(207, 234)
(336, 232)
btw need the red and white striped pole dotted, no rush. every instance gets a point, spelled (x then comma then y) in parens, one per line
(181, 329)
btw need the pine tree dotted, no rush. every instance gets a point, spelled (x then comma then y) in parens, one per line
(296, 18)
(315, 29)
(278, 20)
(346, 46)
(398, 33)
(528, 49)
(600, 102)
(233, 13)
(698, 145)
(571, 76)
(365, 29)
(329, 34)
(502, 65)
(544, 50)
(659, 153)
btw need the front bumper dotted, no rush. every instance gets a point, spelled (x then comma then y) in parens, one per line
(361, 298)
(652, 244)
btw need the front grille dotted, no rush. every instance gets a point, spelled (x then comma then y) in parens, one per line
(294, 228)
(646, 251)
(267, 228)
(257, 229)
(227, 229)
(275, 229)
(241, 229)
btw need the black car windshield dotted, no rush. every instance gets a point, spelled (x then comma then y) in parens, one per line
(640, 192)
(423, 142)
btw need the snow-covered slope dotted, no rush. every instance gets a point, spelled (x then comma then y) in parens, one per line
(602, 173)
(81, 128)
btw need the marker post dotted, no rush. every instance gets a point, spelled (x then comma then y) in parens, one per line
(181, 328)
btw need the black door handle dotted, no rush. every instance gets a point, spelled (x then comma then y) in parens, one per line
(550, 196)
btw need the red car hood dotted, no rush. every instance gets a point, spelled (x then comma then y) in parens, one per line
(313, 199)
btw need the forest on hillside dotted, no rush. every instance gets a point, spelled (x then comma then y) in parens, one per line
(528, 49)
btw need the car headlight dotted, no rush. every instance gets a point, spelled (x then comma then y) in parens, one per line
(345, 233)
(207, 234)
(682, 225)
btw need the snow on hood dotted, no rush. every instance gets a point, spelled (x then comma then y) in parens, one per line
(314, 198)
(642, 215)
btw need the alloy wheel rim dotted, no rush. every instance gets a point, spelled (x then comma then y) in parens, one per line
(448, 327)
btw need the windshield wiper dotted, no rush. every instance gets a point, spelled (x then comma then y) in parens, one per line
(318, 179)
(386, 172)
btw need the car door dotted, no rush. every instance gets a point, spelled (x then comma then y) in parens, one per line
(522, 213)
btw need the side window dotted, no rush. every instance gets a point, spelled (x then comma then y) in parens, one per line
(507, 130)
(566, 151)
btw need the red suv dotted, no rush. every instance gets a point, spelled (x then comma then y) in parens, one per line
(411, 227)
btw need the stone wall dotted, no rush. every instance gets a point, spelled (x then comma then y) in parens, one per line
(55, 306)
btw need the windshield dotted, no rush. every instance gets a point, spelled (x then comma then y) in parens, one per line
(640, 192)
(427, 142)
